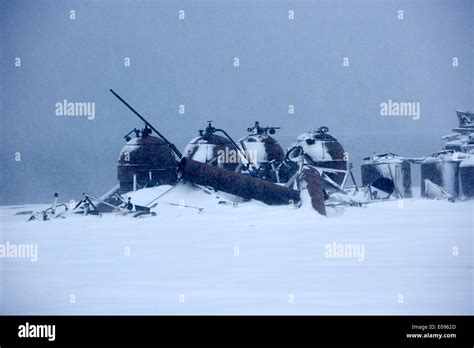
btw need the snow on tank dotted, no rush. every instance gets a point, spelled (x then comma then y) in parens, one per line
(390, 166)
(323, 151)
(468, 146)
(145, 161)
(450, 169)
(442, 169)
(214, 149)
(261, 149)
(457, 142)
(462, 140)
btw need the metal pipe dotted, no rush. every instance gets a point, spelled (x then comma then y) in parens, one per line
(238, 184)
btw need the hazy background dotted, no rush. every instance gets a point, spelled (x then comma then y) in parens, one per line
(190, 62)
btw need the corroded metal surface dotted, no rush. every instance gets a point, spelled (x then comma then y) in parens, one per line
(235, 183)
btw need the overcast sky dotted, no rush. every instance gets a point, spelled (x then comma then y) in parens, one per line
(190, 61)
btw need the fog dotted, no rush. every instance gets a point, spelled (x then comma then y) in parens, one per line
(190, 62)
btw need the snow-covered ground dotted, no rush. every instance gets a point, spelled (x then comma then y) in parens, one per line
(249, 259)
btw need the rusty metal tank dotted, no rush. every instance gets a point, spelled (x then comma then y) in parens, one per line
(214, 149)
(146, 161)
(323, 151)
(263, 151)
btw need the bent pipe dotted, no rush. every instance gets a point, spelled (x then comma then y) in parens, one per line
(238, 184)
